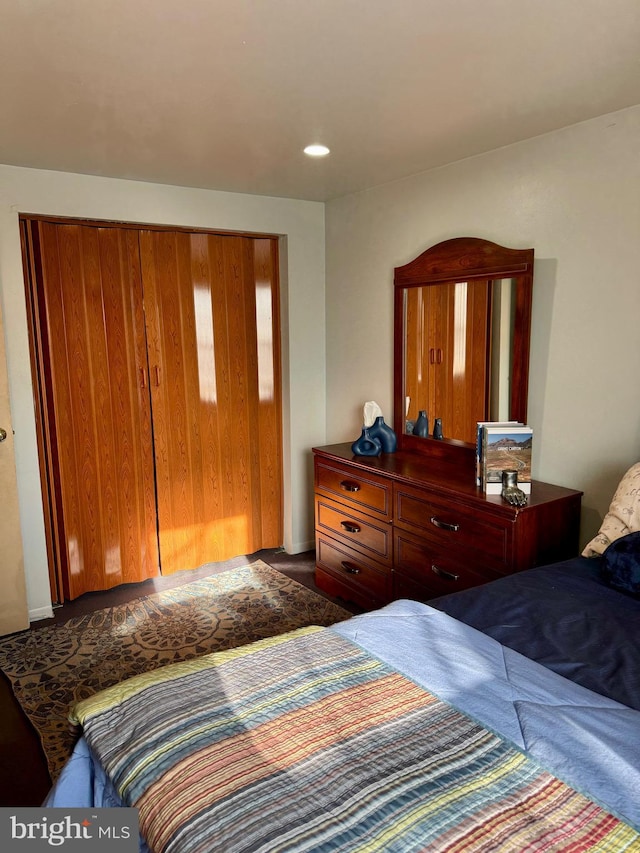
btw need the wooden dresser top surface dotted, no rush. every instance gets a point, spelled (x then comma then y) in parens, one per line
(451, 480)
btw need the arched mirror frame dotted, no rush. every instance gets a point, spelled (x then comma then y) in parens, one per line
(465, 259)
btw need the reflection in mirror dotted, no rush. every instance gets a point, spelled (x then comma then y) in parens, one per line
(502, 320)
(461, 340)
(458, 343)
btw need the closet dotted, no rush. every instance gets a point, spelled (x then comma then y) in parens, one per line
(447, 329)
(156, 363)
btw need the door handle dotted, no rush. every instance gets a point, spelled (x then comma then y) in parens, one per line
(3, 434)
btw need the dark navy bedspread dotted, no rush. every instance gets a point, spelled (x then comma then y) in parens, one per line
(565, 617)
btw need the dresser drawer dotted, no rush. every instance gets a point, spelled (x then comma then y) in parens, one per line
(362, 491)
(366, 534)
(438, 570)
(371, 581)
(450, 525)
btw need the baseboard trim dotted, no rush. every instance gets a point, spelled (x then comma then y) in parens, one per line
(301, 547)
(40, 613)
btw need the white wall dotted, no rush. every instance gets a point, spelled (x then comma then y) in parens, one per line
(55, 193)
(572, 195)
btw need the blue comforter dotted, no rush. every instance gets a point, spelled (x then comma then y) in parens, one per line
(567, 618)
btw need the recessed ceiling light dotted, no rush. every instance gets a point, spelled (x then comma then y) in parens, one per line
(316, 150)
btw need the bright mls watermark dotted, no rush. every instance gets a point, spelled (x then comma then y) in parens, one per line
(86, 830)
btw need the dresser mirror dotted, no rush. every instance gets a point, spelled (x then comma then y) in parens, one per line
(462, 322)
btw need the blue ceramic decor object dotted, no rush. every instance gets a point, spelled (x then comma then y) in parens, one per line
(366, 445)
(421, 426)
(385, 435)
(437, 428)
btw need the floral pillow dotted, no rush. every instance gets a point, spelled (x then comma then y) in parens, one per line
(623, 516)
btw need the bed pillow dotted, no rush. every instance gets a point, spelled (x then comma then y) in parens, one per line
(620, 566)
(623, 516)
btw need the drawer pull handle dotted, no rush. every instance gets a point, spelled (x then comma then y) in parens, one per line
(350, 568)
(443, 525)
(349, 486)
(447, 576)
(352, 528)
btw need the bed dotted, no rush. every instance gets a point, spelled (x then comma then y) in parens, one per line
(402, 729)
(565, 616)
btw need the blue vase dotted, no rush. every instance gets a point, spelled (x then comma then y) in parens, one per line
(437, 428)
(365, 445)
(385, 435)
(421, 426)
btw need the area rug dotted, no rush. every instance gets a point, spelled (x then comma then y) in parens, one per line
(53, 667)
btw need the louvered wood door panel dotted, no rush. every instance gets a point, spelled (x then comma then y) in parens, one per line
(213, 345)
(446, 355)
(467, 366)
(97, 434)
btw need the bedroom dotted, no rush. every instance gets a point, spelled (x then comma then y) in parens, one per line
(571, 192)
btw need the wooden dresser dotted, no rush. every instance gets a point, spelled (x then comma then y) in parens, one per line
(403, 526)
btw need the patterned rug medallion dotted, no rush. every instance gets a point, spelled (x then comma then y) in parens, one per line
(51, 668)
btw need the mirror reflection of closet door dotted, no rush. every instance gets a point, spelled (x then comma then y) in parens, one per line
(470, 383)
(429, 354)
(89, 355)
(447, 328)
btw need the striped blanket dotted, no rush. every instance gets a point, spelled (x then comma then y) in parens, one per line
(306, 742)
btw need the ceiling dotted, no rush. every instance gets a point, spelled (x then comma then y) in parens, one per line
(224, 94)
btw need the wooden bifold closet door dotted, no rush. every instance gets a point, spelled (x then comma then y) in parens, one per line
(215, 397)
(447, 368)
(156, 359)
